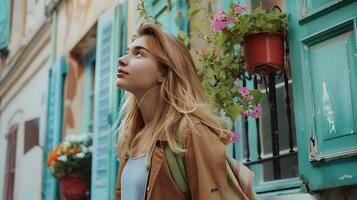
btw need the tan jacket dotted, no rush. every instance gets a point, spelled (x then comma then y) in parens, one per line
(205, 162)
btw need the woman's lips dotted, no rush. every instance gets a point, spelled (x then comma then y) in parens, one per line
(121, 73)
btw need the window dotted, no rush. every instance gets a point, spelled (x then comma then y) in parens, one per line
(283, 143)
(31, 134)
(272, 149)
(91, 98)
(10, 164)
(269, 143)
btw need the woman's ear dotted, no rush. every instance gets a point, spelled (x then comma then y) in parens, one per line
(161, 78)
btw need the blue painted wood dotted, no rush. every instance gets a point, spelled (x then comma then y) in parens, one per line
(53, 123)
(88, 93)
(324, 94)
(5, 19)
(120, 31)
(105, 106)
(166, 13)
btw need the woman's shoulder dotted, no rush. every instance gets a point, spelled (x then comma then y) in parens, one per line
(200, 130)
(197, 129)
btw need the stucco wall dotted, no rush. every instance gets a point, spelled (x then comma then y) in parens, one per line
(27, 99)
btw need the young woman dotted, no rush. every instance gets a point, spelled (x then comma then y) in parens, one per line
(164, 105)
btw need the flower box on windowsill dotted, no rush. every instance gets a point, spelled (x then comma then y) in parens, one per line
(74, 187)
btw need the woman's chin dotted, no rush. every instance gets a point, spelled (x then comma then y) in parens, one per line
(121, 85)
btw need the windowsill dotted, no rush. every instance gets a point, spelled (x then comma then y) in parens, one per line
(283, 184)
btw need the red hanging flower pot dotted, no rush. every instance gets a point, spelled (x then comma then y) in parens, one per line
(74, 187)
(264, 52)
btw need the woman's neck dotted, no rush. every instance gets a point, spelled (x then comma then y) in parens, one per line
(147, 103)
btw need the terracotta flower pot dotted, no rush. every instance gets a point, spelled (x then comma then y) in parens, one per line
(74, 187)
(264, 52)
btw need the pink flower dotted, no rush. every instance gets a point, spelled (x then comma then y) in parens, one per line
(238, 10)
(230, 20)
(246, 113)
(215, 50)
(220, 21)
(244, 91)
(246, 7)
(235, 137)
(257, 112)
(249, 98)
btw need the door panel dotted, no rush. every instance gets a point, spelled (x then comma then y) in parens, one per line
(331, 70)
(323, 64)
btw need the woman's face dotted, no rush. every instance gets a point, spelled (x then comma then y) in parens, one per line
(138, 70)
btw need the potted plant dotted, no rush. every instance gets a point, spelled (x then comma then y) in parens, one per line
(260, 32)
(242, 42)
(70, 162)
(218, 72)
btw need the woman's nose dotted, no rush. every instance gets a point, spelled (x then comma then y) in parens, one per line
(122, 61)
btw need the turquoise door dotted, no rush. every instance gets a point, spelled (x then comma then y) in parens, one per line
(53, 124)
(104, 164)
(322, 41)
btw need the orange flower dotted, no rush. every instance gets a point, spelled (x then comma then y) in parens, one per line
(68, 149)
(52, 157)
(60, 147)
(77, 150)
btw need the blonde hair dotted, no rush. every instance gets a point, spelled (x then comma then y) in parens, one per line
(182, 97)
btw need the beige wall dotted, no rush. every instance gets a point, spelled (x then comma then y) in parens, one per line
(35, 13)
(26, 99)
(18, 19)
(75, 19)
(73, 96)
(26, 19)
(132, 19)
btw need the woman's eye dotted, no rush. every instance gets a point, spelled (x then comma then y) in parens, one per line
(138, 53)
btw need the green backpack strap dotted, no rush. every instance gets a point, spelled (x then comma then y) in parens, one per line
(177, 168)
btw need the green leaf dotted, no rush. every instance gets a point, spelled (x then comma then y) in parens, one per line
(192, 11)
(181, 35)
(234, 110)
(260, 22)
(187, 41)
(257, 95)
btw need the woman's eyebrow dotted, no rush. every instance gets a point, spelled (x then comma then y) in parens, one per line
(137, 48)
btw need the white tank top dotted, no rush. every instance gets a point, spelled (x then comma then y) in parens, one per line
(134, 178)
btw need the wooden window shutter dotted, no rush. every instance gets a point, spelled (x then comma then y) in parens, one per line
(10, 164)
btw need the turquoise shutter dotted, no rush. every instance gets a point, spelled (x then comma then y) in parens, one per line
(323, 61)
(166, 13)
(5, 19)
(53, 124)
(105, 104)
